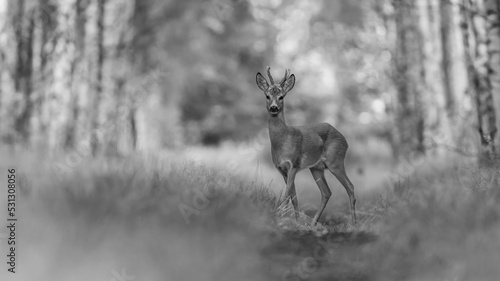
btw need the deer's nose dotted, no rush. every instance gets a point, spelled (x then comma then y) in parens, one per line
(273, 108)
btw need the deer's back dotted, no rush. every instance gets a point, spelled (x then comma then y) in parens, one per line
(326, 132)
(306, 146)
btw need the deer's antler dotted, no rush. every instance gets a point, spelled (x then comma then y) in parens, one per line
(287, 73)
(269, 75)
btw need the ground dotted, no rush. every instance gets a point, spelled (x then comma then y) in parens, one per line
(198, 215)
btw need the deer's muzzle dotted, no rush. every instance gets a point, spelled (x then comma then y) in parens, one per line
(274, 109)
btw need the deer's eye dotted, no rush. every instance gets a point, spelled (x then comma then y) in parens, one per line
(280, 98)
(267, 97)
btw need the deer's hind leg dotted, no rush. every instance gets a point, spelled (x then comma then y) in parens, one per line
(319, 178)
(335, 164)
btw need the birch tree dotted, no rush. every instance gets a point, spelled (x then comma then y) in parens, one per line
(492, 26)
(478, 57)
(24, 24)
(96, 103)
(409, 79)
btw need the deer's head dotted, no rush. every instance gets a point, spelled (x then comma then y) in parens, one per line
(275, 92)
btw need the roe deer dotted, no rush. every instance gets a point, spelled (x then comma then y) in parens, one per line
(316, 147)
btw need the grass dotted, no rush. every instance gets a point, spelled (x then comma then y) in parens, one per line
(168, 218)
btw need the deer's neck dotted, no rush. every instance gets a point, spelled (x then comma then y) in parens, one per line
(277, 127)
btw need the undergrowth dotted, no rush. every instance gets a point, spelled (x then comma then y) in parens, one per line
(171, 219)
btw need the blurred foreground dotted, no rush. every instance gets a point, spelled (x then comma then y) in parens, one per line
(169, 217)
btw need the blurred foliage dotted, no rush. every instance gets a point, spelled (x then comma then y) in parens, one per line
(195, 60)
(185, 70)
(222, 102)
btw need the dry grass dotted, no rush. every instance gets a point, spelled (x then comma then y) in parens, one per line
(441, 222)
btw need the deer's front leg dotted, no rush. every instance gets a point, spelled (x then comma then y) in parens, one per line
(283, 173)
(290, 190)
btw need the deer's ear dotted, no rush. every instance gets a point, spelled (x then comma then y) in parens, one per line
(261, 82)
(288, 84)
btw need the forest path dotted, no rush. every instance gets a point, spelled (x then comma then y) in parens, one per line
(299, 255)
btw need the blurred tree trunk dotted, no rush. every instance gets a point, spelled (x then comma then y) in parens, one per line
(458, 104)
(492, 11)
(447, 51)
(94, 123)
(479, 68)
(48, 39)
(119, 81)
(434, 101)
(76, 73)
(131, 57)
(120, 75)
(409, 79)
(23, 66)
(139, 48)
(4, 23)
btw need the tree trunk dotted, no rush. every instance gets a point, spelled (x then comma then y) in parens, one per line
(24, 68)
(492, 11)
(409, 79)
(94, 125)
(76, 67)
(139, 49)
(133, 127)
(48, 38)
(447, 50)
(478, 65)
(434, 102)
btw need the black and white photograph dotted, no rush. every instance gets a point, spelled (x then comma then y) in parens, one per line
(249, 140)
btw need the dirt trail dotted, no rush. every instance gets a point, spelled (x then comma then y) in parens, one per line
(302, 255)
